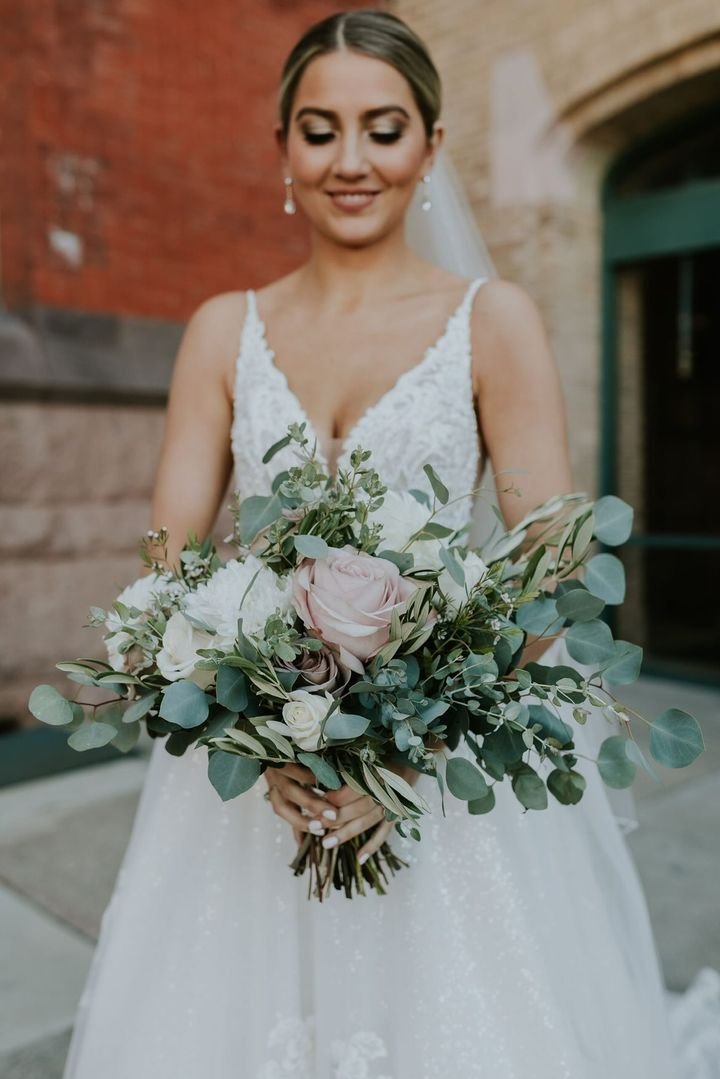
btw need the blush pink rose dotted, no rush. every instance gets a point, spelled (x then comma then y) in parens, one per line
(348, 599)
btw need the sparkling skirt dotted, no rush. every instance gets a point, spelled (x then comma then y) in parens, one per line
(516, 945)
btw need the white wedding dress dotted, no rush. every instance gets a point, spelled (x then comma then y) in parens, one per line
(515, 946)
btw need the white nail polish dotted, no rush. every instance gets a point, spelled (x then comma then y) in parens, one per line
(329, 841)
(363, 858)
(330, 814)
(316, 827)
(318, 791)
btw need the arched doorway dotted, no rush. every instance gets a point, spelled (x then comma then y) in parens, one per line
(660, 447)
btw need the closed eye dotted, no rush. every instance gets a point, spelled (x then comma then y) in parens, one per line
(319, 138)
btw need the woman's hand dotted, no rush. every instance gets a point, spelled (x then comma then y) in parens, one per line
(288, 796)
(357, 813)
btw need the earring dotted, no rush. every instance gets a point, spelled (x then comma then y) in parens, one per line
(289, 204)
(426, 203)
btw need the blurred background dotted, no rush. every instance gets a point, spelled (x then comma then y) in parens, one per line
(139, 176)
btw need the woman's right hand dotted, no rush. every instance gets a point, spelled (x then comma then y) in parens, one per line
(289, 794)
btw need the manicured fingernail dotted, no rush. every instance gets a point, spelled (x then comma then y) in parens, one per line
(363, 858)
(329, 841)
(318, 791)
(316, 827)
(330, 814)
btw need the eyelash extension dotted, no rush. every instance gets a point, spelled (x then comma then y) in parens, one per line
(317, 138)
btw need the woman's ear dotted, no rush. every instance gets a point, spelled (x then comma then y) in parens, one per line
(280, 140)
(435, 143)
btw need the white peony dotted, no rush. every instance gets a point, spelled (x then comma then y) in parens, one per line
(141, 594)
(456, 594)
(232, 593)
(400, 515)
(303, 715)
(178, 655)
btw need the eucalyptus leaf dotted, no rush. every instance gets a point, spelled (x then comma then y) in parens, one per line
(625, 666)
(590, 642)
(540, 616)
(92, 735)
(477, 806)
(276, 447)
(464, 780)
(676, 739)
(453, 565)
(439, 489)
(403, 788)
(140, 707)
(184, 704)
(605, 577)
(231, 688)
(321, 769)
(567, 787)
(345, 725)
(579, 605)
(529, 788)
(404, 560)
(232, 774)
(49, 706)
(126, 736)
(255, 514)
(247, 741)
(614, 764)
(311, 546)
(613, 520)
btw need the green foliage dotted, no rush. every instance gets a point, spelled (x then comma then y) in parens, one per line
(464, 780)
(605, 577)
(675, 738)
(232, 774)
(231, 688)
(49, 706)
(614, 764)
(613, 520)
(184, 704)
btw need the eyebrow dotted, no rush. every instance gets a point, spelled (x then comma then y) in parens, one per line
(369, 114)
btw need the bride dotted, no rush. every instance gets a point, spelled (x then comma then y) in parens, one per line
(514, 945)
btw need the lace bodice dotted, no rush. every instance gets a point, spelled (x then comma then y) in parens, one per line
(426, 416)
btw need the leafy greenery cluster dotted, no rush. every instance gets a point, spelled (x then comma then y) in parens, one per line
(446, 672)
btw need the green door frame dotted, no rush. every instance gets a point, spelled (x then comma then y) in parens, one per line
(672, 221)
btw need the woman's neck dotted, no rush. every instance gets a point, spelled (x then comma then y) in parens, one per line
(350, 278)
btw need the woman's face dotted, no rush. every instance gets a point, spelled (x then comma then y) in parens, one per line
(356, 147)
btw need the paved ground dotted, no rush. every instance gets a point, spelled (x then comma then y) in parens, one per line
(62, 839)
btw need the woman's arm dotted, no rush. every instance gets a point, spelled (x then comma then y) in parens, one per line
(195, 457)
(521, 410)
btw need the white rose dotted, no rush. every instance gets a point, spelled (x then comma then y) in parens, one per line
(303, 715)
(142, 594)
(457, 594)
(247, 590)
(178, 655)
(401, 515)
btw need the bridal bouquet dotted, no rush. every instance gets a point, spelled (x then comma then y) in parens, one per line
(357, 634)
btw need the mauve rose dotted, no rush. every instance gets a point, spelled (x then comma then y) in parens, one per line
(348, 599)
(322, 670)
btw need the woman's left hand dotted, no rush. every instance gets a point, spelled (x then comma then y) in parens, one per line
(357, 813)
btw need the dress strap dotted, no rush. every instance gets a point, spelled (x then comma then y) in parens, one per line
(465, 320)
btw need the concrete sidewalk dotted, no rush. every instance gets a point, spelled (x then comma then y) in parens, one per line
(62, 840)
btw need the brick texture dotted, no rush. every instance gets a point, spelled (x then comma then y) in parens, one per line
(138, 171)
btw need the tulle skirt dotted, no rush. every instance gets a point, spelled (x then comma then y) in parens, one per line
(516, 945)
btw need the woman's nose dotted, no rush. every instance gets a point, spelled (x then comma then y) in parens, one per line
(350, 160)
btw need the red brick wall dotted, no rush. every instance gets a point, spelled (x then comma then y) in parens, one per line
(138, 172)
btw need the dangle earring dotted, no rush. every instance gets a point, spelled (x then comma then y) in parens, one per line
(289, 204)
(426, 203)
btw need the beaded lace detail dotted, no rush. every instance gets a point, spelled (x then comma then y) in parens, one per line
(427, 415)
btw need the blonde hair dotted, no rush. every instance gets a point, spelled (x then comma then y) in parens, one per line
(373, 33)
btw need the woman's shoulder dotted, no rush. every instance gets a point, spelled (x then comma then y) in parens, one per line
(504, 309)
(508, 330)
